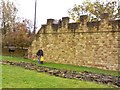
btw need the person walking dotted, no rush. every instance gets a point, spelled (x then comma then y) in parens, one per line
(40, 54)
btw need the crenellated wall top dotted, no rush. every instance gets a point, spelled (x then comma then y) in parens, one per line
(105, 24)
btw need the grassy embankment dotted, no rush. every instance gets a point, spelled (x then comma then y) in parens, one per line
(17, 77)
(63, 66)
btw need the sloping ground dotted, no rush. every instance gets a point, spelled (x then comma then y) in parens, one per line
(18, 78)
(62, 66)
(87, 76)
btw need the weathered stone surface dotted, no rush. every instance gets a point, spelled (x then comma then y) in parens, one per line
(92, 45)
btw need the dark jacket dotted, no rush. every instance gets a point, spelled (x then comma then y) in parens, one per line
(40, 52)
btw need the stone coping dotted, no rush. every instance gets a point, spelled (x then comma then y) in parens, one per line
(87, 76)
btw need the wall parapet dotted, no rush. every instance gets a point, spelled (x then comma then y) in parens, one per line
(83, 26)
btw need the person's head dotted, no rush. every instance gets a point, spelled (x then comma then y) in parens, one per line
(40, 48)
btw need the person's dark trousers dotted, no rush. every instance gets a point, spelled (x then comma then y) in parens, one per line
(39, 59)
(41, 62)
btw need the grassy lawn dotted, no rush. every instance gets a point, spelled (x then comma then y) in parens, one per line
(17, 77)
(62, 66)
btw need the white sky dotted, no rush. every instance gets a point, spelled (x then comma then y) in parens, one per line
(46, 9)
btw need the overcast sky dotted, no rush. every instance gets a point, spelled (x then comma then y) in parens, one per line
(55, 9)
(46, 9)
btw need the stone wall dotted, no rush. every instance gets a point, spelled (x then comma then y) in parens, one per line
(91, 44)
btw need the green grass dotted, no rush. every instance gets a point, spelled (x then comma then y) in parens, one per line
(17, 77)
(63, 66)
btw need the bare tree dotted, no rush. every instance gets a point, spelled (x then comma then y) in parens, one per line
(8, 16)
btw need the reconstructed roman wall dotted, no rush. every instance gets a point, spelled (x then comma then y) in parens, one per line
(91, 44)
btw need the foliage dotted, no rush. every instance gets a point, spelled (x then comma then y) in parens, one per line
(63, 66)
(16, 77)
(94, 10)
(75, 12)
(14, 32)
(8, 13)
(21, 37)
